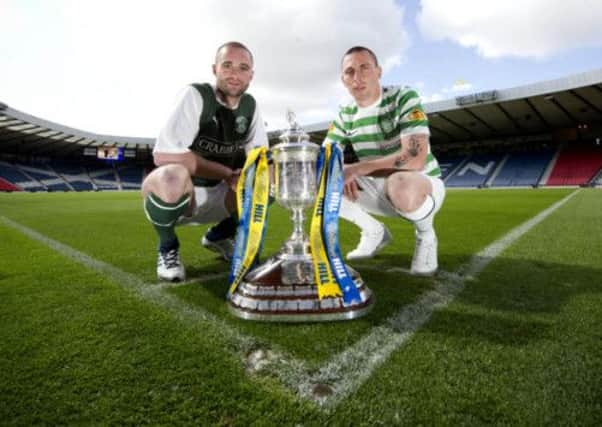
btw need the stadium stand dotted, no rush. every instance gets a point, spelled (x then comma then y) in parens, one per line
(74, 175)
(103, 177)
(475, 171)
(14, 178)
(19, 178)
(63, 175)
(523, 169)
(577, 164)
(449, 165)
(45, 175)
(597, 181)
(130, 176)
(7, 186)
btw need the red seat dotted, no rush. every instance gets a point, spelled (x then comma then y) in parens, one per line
(576, 165)
(8, 186)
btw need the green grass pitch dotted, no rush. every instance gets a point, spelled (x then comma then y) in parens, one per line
(509, 331)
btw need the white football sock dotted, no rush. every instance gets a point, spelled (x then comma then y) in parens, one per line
(423, 217)
(354, 213)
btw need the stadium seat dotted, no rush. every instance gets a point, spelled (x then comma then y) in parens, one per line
(577, 164)
(523, 169)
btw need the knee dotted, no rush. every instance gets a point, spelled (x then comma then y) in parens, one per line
(168, 182)
(407, 193)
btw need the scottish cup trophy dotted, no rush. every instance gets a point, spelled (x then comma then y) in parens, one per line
(284, 288)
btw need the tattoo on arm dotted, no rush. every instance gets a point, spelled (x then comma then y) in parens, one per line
(414, 147)
(412, 150)
(400, 161)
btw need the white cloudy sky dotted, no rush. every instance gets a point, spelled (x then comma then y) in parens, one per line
(114, 67)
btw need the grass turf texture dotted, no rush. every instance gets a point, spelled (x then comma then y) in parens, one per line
(521, 344)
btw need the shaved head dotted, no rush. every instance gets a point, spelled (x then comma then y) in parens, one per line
(236, 45)
(355, 49)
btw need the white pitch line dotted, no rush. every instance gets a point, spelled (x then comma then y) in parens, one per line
(344, 372)
(187, 313)
(190, 281)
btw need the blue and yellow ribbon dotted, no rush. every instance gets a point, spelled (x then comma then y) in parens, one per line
(327, 285)
(330, 226)
(252, 192)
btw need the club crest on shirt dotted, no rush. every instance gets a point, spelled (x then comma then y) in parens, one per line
(386, 125)
(241, 124)
(417, 114)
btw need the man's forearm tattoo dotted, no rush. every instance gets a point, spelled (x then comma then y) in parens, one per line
(400, 161)
(414, 147)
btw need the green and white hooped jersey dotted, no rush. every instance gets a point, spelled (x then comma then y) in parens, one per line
(375, 131)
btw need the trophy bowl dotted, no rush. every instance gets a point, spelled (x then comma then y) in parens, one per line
(295, 174)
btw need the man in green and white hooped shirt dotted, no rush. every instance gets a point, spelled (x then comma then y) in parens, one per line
(199, 154)
(396, 175)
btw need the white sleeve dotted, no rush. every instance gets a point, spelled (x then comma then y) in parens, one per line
(257, 134)
(183, 123)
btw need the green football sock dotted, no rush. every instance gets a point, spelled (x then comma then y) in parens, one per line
(164, 216)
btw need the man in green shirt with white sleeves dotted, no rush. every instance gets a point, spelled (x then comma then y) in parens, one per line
(395, 174)
(199, 153)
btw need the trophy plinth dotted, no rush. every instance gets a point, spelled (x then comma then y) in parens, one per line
(283, 288)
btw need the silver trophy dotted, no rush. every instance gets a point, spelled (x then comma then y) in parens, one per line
(283, 288)
(296, 188)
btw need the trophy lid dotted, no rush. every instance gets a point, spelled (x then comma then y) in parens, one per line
(294, 133)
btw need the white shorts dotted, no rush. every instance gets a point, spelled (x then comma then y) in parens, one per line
(209, 205)
(373, 196)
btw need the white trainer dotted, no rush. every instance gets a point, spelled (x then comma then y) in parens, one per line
(224, 247)
(169, 266)
(424, 262)
(370, 244)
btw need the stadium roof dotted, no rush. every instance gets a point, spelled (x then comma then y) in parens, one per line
(21, 133)
(573, 102)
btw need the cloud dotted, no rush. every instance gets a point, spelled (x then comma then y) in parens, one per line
(528, 29)
(298, 48)
(459, 86)
(116, 66)
(432, 98)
